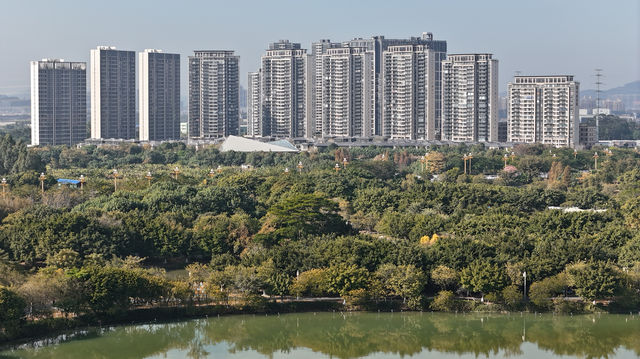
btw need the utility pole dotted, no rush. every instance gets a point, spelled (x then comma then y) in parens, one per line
(598, 83)
(524, 292)
(464, 159)
(4, 186)
(115, 180)
(42, 178)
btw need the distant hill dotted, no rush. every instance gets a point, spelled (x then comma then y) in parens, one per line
(632, 88)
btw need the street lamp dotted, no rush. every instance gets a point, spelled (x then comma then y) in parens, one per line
(300, 166)
(211, 173)
(149, 177)
(595, 160)
(4, 186)
(115, 179)
(524, 292)
(82, 181)
(219, 169)
(42, 178)
(575, 153)
(513, 155)
(176, 172)
(345, 162)
(286, 170)
(464, 159)
(337, 167)
(505, 158)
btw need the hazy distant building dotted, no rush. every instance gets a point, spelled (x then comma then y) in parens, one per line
(470, 98)
(503, 131)
(159, 100)
(347, 93)
(588, 134)
(213, 94)
(283, 90)
(113, 93)
(544, 109)
(58, 102)
(379, 44)
(408, 101)
(254, 105)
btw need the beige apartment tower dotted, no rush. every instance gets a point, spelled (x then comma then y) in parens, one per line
(283, 90)
(347, 95)
(214, 104)
(470, 98)
(544, 109)
(408, 89)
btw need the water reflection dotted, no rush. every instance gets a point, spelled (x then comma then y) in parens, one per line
(355, 336)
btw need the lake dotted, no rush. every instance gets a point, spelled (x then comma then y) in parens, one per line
(354, 335)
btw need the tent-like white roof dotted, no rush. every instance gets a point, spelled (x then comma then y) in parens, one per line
(241, 144)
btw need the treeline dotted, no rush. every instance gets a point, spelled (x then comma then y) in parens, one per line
(394, 228)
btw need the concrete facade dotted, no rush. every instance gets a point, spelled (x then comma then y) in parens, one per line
(159, 97)
(58, 102)
(408, 101)
(470, 98)
(113, 93)
(283, 90)
(544, 109)
(213, 94)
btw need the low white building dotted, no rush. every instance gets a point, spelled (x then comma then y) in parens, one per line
(241, 144)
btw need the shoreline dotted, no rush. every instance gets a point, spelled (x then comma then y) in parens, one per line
(41, 329)
(52, 327)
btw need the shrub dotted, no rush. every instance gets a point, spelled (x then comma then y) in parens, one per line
(444, 301)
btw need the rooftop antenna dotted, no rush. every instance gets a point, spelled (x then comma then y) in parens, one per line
(598, 83)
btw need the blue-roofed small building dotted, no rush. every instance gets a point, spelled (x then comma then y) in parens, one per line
(71, 183)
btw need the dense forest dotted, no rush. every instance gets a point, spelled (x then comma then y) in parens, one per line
(441, 228)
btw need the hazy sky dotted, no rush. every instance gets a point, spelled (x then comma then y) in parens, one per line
(534, 37)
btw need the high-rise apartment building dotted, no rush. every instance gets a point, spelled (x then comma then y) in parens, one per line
(408, 101)
(544, 109)
(113, 93)
(58, 102)
(347, 93)
(159, 99)
(254, 106)
(213, 94)
(283, 90)
(470, 98)
(380, 44)
(314, 68)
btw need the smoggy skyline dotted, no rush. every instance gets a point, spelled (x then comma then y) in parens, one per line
(541, 37)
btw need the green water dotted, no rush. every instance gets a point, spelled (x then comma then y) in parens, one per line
(358, 335)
